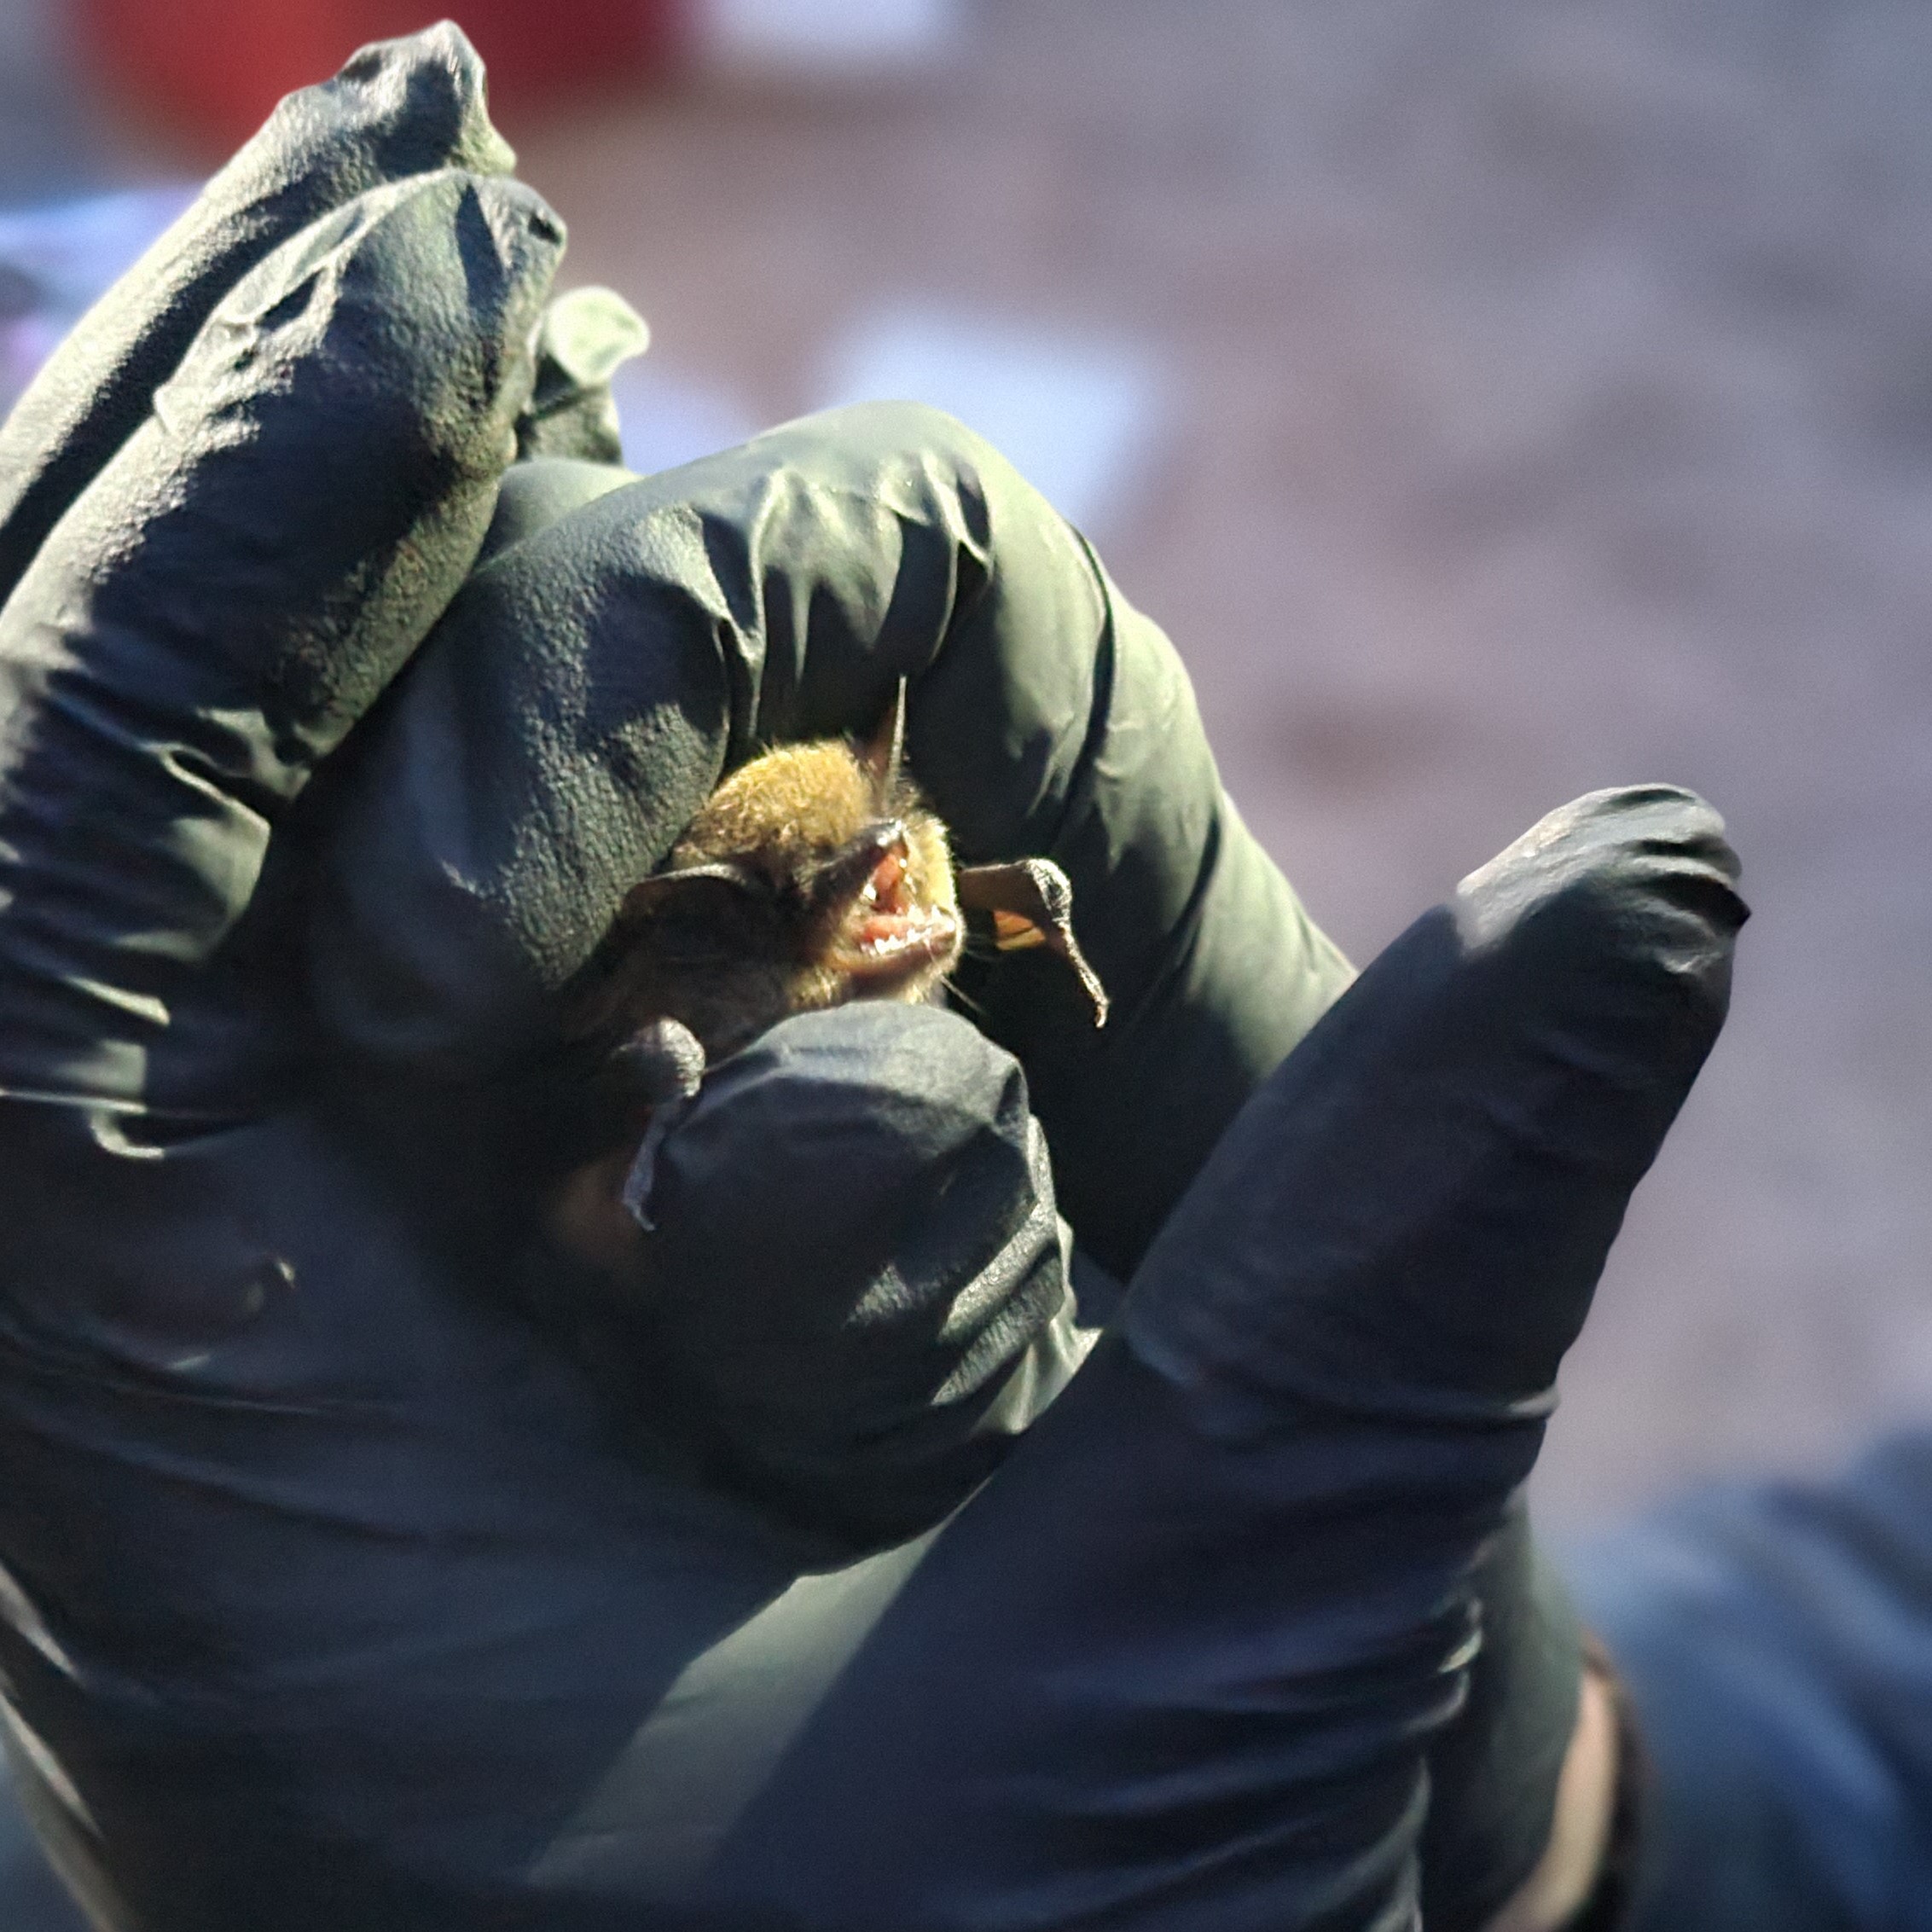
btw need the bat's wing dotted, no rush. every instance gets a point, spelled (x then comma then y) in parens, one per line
(1031, 904)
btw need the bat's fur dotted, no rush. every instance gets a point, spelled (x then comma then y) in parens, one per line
(821, 843)
(729, 962)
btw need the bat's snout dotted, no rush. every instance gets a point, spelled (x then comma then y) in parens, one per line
(889, 928)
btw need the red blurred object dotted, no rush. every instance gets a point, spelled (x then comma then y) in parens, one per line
(221, 64)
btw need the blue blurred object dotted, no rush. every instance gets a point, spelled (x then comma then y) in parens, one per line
(1776, 1638)
(670, 419)
(55, 261)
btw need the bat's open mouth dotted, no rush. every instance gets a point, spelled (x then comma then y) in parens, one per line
(887, 936)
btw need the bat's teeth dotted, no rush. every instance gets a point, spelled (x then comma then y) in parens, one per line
(888, 945)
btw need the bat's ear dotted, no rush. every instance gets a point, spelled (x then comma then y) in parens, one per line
(1031, 904)
(884, 753)
(651, 896)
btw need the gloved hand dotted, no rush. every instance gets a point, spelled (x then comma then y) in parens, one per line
(330, 1594)
(589, 685)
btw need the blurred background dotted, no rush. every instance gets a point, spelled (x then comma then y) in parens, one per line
(1495, 399)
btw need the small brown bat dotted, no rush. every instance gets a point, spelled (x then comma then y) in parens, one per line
(814, 875)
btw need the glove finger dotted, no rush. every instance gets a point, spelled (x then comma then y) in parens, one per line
(1410, 1219)
(543, 490)
(225, 599)
(586, 337)
(399, 107)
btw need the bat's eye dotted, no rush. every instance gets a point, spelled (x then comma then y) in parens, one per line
(835, 885)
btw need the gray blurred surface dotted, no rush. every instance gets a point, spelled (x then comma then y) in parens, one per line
(1551, 406)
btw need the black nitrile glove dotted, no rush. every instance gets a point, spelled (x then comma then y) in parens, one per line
(217, 608)
(1205, 1700)
(234, 586)
(585, 627)
(860, 1353)
(1492, 1772)
(401, 107)
(335, 1593)
(590, 684)
(31, 1899)
(1115, 781)
(586, 337)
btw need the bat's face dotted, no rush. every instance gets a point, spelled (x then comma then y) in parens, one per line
(844, 870)
(813, 875)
